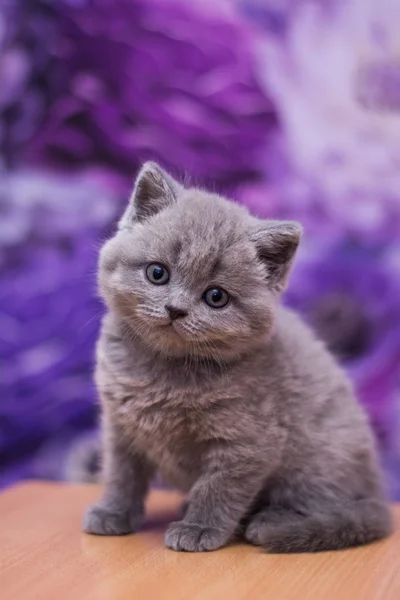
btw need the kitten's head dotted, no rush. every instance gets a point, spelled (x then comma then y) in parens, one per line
(193, 274)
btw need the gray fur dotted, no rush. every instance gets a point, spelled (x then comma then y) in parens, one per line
(241, 407)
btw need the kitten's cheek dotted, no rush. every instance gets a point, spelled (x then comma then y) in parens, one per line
(124, 305)
(109, 298)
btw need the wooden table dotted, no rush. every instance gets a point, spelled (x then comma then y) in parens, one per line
(44, 556)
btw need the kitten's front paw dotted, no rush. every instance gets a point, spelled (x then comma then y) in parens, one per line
(188, 537)
(103, 521)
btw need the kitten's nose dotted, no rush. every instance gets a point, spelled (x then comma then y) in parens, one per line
(175, 313)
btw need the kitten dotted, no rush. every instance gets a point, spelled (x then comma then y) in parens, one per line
(203, 377)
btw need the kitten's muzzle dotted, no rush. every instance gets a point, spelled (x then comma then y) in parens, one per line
(175, 313)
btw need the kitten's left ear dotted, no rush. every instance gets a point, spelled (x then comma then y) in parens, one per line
(276, 243)
(154, 190)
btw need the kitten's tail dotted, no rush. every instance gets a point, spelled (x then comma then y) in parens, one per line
(83, 461)
(356, 524)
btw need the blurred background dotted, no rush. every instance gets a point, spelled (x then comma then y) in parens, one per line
(291, 107)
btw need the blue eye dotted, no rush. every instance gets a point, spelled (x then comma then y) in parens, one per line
(157, 274)
(216, 297)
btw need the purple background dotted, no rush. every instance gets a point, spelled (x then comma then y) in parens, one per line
(290, 107)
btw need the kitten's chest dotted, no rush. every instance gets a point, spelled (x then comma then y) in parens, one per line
(168, 422)
(155, 414)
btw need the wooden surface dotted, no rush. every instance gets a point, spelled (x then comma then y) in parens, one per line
(44, 556)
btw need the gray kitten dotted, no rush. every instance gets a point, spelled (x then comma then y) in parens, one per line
(203, 377)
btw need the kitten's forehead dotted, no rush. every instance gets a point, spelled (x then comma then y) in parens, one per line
(201, 232)
(208, 222)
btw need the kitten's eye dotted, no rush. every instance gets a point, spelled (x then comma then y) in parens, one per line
(157, 274)
(216, 297)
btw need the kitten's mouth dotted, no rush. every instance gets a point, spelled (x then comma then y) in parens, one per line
(169, 326)
(186, 338)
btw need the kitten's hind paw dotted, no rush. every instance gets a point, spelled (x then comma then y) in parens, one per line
(103, 521)
(188, 537)
(257, 530)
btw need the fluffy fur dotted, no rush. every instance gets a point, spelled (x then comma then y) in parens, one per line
(240, 407)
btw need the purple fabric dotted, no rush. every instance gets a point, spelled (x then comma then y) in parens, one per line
(50, 231)
(159, 80)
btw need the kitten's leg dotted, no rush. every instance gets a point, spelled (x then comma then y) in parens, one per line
(350, 524)
(216, 504)
(121, 509)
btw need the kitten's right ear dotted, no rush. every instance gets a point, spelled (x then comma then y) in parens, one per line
(154, 190)
(276, 244)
